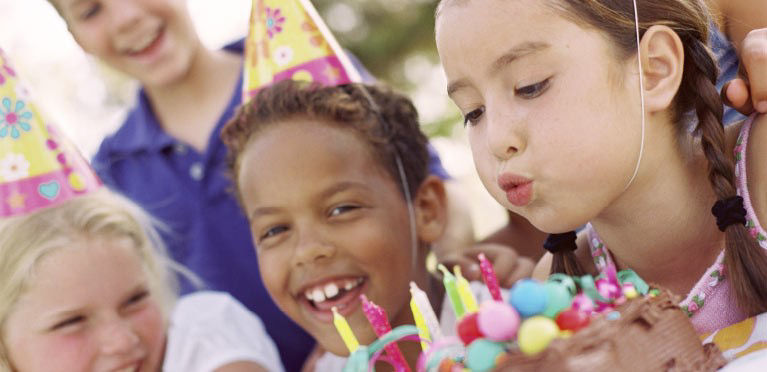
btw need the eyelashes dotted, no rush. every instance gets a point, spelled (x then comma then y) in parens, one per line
(526, 92)
(533, 90)
(473, 116)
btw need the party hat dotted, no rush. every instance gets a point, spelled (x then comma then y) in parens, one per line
(287, 39)
(38, 168)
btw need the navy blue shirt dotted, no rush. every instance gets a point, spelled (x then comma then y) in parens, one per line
(191, 193)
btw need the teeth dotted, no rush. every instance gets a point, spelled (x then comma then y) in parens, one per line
(331, 290)
(321, 293)
(349, 285)
(318, 296)
(143, 43)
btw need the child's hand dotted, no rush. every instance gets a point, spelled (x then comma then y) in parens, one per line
(508, 265)
(753, 61)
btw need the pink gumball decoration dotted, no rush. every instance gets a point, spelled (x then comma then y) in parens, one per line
(583, 303)
(498, 321)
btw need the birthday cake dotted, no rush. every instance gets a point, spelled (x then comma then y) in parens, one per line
(567, 323)
(651, 333)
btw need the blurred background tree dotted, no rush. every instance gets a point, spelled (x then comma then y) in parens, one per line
(395, 40)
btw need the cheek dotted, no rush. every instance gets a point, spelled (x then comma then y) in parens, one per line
(63, 353)
(483, 160)
(275, 269)
(150, 325)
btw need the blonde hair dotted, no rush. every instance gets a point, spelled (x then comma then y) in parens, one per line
(26, 240)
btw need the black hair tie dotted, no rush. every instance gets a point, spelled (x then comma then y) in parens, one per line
(564, 242)
(729, 212)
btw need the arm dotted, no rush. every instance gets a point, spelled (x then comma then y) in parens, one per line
(519, 233)
(745, 24)
(543, 267)
(241, 367)
(757, 167)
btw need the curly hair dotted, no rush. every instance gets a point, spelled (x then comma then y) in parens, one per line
(386, 121)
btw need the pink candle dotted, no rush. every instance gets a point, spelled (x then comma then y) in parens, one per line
(380, 321)
(488, 274)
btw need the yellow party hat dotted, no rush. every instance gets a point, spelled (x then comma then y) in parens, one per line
(287, 39)
(38, 168)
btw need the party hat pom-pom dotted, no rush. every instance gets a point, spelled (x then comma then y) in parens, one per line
(498, 321)
(528, 297)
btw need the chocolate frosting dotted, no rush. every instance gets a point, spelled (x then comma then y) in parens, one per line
(652, 334)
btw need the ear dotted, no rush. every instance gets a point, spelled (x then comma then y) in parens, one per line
(662, 56)
(430, 204)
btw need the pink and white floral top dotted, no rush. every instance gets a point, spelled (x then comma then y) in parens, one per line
(709, 304)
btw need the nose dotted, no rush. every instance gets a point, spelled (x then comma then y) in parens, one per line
(118, 337)
(311, 247)
(124, 15)
(503, 136)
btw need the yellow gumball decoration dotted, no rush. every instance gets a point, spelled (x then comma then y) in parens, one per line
(536, 333)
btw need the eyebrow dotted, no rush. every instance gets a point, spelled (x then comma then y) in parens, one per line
(504, 60)
(332, 190)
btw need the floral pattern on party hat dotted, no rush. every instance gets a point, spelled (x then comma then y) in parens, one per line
(38, 168)
(288, 40)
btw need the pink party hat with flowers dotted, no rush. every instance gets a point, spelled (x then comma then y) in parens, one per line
(287, 39)
(38, 168)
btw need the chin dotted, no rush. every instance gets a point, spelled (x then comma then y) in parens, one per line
(553, 223)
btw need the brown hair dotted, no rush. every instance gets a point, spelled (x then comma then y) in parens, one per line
(745, 260)
(385, 120)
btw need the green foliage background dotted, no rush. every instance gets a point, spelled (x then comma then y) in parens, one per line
(387, 33)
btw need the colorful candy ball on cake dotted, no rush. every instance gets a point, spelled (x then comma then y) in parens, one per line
(583, 303)
(536, 333)
(498, 321)
(572, 320)
(528, 297)
(483, 354)
(468, 328)
(558, 298)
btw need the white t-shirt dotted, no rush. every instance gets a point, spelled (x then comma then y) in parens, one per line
(330, 362)
(211, 329)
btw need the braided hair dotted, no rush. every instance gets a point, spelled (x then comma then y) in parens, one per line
(745, 260)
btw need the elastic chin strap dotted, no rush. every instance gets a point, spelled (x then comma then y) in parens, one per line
(410, 211)
(641, 97)
(403, 180)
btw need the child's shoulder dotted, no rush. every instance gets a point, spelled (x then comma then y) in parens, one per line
(203, 310)
(209, 329)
